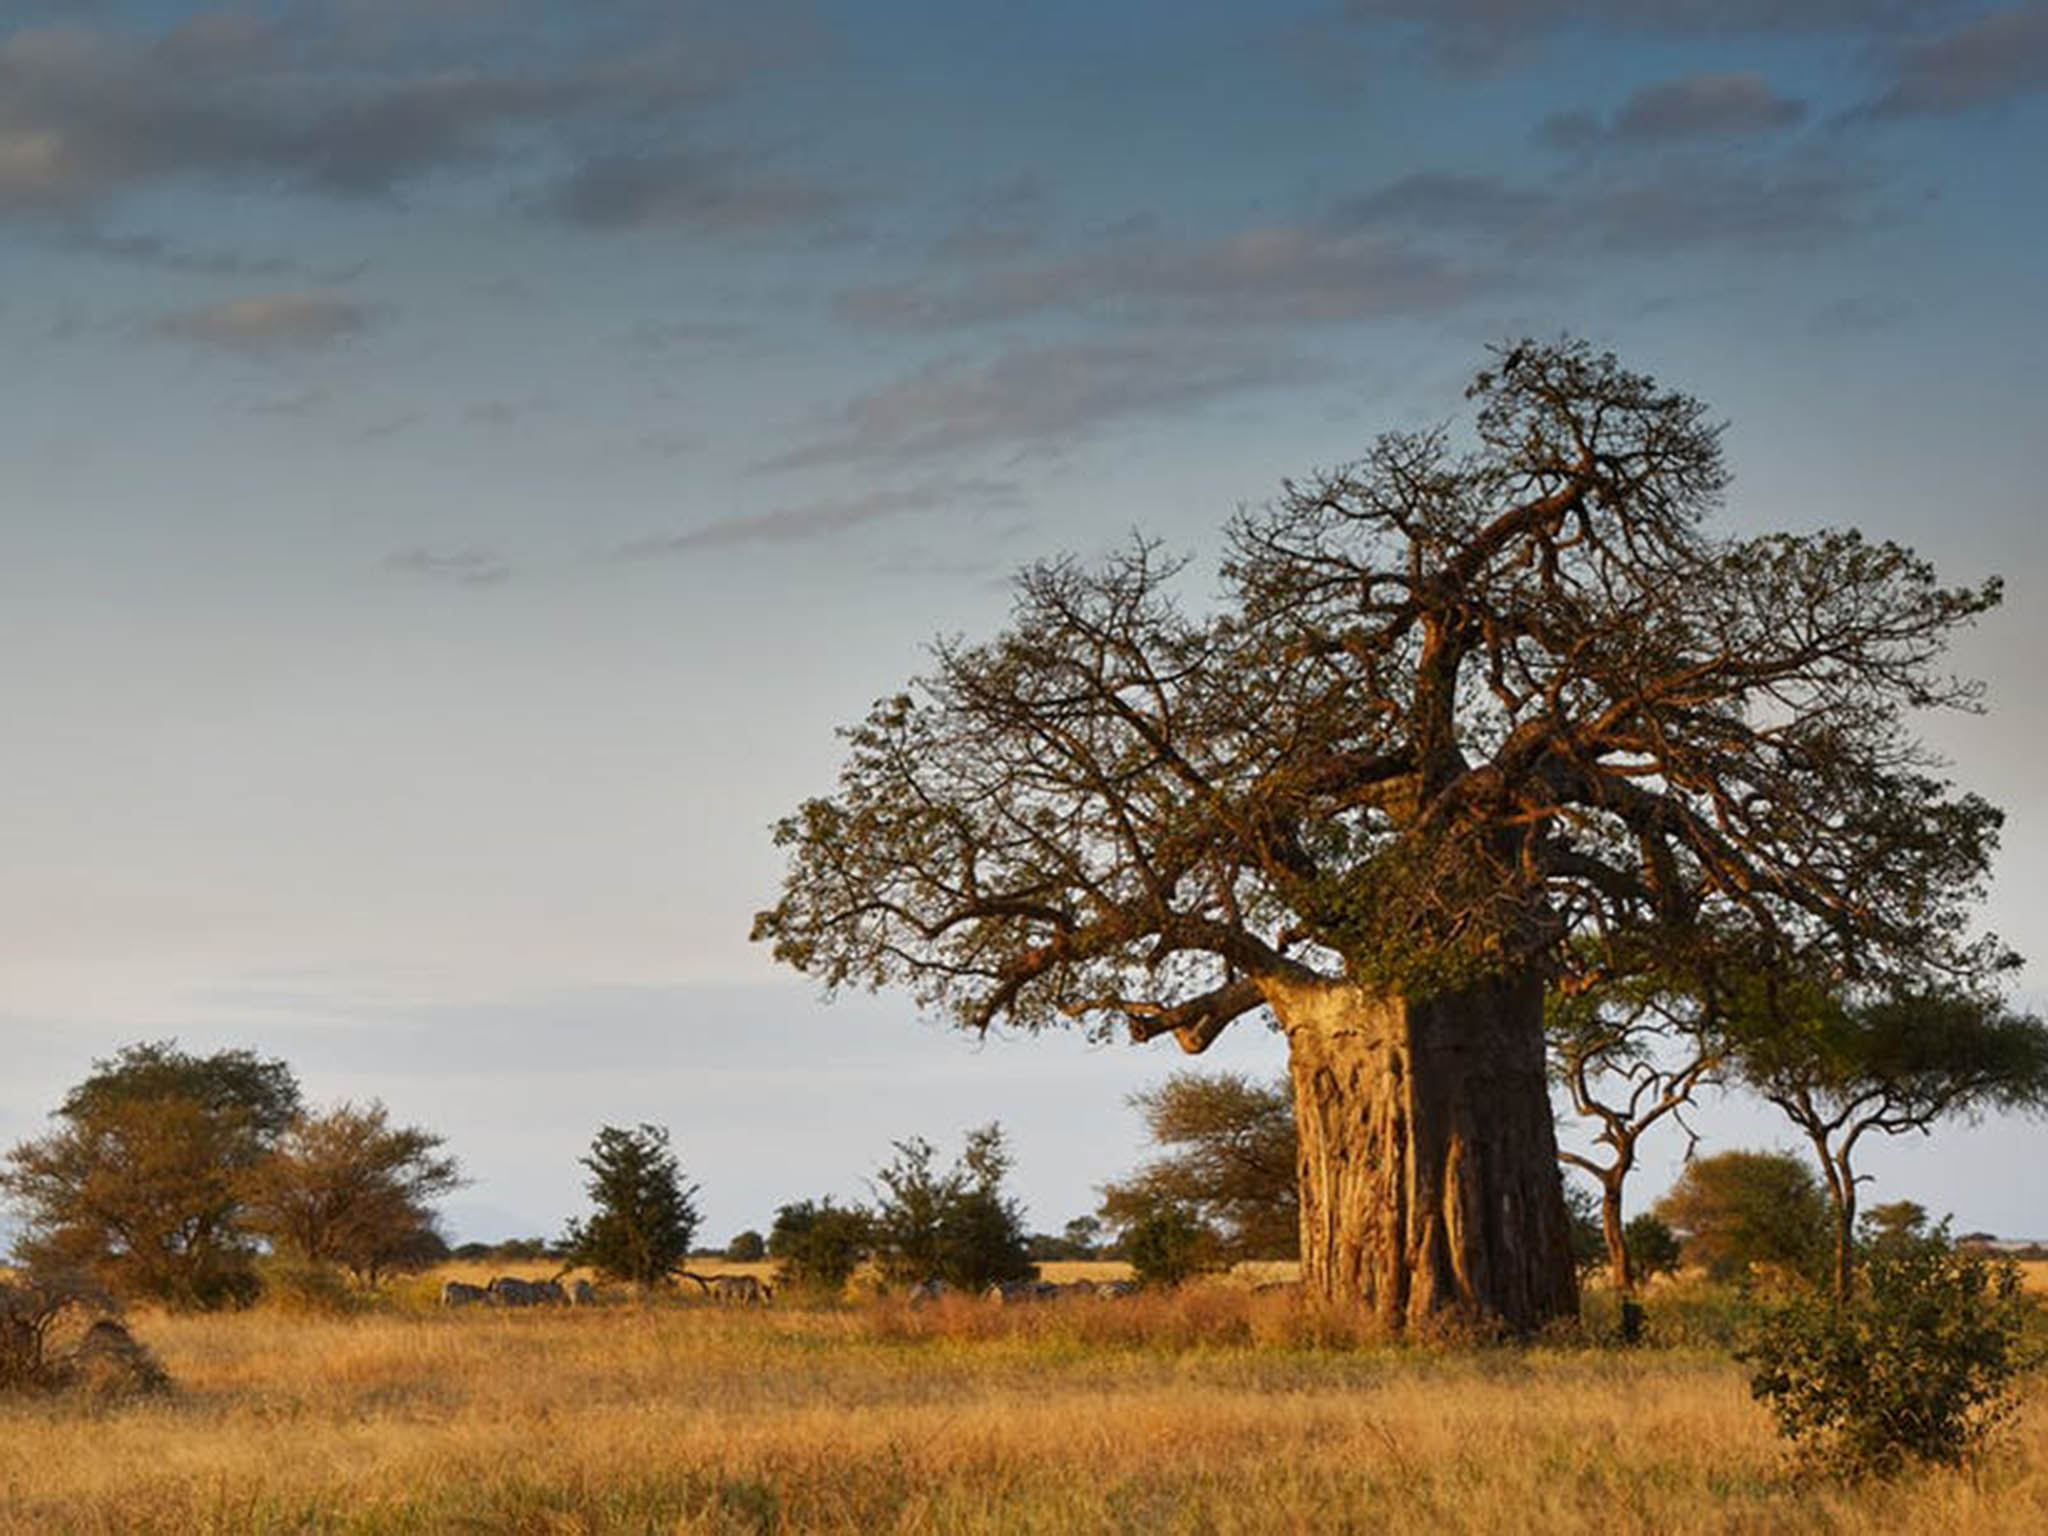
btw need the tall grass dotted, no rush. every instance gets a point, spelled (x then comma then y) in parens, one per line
(1215, 1410)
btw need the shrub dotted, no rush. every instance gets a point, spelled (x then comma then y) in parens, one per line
(1917, 1367)
(817, 1245)
(1168, 1245)
(747, 1247)
(1653, 1249)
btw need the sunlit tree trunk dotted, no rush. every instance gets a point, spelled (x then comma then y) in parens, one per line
(1430, 1188)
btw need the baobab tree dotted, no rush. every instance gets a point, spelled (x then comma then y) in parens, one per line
(1474, 718)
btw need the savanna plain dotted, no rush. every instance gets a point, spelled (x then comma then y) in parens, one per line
(1211, 1409)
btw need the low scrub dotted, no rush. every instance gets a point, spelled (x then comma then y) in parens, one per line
(1919, 1366)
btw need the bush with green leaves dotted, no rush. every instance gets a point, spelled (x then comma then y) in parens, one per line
(1918, 1366)
(817, 1245)
(954, 1225)
(1653, 1248)
(1170, 1244)
(645, 1216)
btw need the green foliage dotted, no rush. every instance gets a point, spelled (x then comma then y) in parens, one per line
(1653, 1248)
(645, 1217)
(1739, 1211)
(1170, 1244)
(1229, 1151)
(348, 1188)
(1589, 1241)
(817, 1245)
(1919, 1367)
(953, 1225)
(747, 1247)
(142, 1183)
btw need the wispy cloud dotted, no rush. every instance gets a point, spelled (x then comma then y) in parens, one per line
(333, 100)
(1703, 106)
(463, 567)
(806, 521)
(1990, 58)
(707, 190)
(268, 322)
(1040, 398)
(1286, 273)
(1484, 34)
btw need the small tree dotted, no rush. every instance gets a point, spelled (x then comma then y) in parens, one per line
(1170, 1244)
(1229, 1160)
(1737, 1210)
(350, 1188)
(1841, 1068)
(1919, 1367)
(1653, 1249)
(955, 1226)
(645, 1217)
(1629, 1055)
(817, 1245)
(746, 1247)
(142, 1182)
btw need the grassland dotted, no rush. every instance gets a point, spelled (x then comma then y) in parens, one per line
(1214, 1411)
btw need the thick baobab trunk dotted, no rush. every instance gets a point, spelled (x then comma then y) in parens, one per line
(1430, 1188)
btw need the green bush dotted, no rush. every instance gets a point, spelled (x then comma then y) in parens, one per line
(1917, 1367)
(1170, 1244)
(817, 1246)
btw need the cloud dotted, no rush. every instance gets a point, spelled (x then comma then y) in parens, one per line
(1039, 397)
(328, 102)
(1990, 58)
(1483, 34)
(1667, 207)
(465, 567)
(712, 190)
(1286, 273)
(1692, 107)
(269, 322)
(819, 519)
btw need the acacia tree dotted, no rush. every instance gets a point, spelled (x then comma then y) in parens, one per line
(1229, 1158)
(142, 1181)
(1842, 1068)
(1468, 721)
(1629, 1056)
(348, 1187)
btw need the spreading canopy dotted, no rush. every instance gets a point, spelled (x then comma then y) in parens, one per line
(1469, 707)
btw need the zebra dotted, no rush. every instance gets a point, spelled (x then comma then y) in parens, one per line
(509, 1291)
(740, 1291)
(455, 1293)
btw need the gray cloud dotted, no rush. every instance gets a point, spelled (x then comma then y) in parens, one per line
(1286, 273)
(818, 519)
(87, 112)
(466, 567)
(1670, 206)
(269, 321)
(1693, 107)
(715, 190)
(1039, 397)
(1482, 34)
(1989, 58)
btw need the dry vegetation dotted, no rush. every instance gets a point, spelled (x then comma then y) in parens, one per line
(1217, 1410)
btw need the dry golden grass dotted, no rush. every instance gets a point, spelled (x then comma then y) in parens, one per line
(1213, 1411)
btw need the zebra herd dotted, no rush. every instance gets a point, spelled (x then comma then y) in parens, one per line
(510, 1291)
(750, 1291)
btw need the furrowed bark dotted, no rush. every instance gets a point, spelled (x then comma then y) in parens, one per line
(1430, 1188)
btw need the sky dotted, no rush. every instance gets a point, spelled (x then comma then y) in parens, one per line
(466, 457)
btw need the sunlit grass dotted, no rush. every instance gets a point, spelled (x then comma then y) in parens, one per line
(1216, 1410)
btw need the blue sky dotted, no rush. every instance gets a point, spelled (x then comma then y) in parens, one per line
(465, 457)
